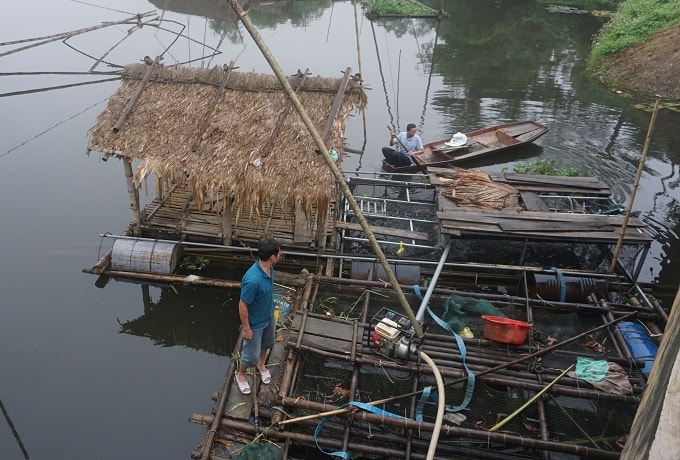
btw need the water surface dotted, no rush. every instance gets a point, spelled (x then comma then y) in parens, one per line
(115, 372)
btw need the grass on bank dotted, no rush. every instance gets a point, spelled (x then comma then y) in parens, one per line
(546, 168)
(400, 7)
(633, 23)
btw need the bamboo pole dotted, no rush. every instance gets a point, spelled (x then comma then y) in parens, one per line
(631, 200)
(478, 375)
(65, 35)
(467, 433)
(577, 391)
(176, 279)
(130, 31)
(340, 180)
(133, 195)
(219, 408)
(356, 36)
(502, 423)
(652, 434)
(137, 93)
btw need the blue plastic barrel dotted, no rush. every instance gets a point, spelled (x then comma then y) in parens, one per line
(640, 344)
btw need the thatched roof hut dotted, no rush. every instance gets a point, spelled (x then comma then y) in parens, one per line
(224, 133)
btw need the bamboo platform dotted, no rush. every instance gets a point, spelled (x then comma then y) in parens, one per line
(176, 217)
(323, 360)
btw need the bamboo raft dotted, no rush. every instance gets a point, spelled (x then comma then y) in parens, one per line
(323, 360)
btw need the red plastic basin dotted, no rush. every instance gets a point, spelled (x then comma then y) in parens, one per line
(505, 330)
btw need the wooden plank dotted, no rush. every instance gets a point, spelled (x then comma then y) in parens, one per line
(326, 334)
(217, 99)
(553, 184)
(579, 237)
(396, 232)
(284, 113)
(303, 232)
(136, 95)
(559, 181)
(461, 213)
(610, 234)
(540, 226)
(532, 202)
(335, 108)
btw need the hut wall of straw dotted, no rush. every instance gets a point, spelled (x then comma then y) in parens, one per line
(234, 140)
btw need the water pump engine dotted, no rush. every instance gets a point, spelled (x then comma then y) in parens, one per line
(391, 335)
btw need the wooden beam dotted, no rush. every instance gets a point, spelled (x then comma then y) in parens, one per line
(532, 202)
(227, 224)
(138, 92)
(342, 87)
(219, 94)
(399, 233)
(133, 195)
(284, 113)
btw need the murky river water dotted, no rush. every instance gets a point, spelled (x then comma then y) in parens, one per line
(116, 372)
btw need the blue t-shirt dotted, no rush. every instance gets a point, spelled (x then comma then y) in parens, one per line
(414, 143)
(257, 293)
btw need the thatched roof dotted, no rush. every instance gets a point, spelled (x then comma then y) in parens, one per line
(235, 140)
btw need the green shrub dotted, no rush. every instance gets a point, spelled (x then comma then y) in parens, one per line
(546, 168)
(194, 263)
(405, 7)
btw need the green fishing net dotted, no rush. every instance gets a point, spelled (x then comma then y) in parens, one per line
(257, 451)
(457, 308)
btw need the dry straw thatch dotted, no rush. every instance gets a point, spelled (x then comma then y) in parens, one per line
(183, 128)
(468, 187)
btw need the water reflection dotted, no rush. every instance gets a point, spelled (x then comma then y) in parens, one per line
(488, 63)
(186, 317)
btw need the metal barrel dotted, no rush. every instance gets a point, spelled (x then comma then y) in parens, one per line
(145, 256)
(573, 289)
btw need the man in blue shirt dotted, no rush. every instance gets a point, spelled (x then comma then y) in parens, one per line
(407, 144)
(256, 310)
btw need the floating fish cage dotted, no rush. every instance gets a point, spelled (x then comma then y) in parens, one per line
(327, 368)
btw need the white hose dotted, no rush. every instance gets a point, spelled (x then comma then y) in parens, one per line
(441, 406)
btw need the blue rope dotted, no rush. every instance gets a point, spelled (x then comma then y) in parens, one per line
(360, 405)
(424, 397)
(563, 283)
(470, 387)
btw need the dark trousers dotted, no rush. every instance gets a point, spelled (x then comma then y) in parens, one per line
(396, 158)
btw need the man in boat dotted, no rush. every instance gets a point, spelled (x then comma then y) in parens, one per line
(407, 145)
(256, 310)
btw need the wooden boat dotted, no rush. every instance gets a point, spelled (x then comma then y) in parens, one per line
(480, 143)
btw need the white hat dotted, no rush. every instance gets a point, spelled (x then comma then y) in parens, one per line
(457, 140)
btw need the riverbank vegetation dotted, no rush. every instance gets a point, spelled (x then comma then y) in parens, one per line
(634, 22)
(636, 53)
(399, 8)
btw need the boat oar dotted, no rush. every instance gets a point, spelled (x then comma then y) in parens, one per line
(500, 424)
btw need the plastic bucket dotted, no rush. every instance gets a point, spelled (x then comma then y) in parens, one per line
(145, 256)
(640, 344)
(505, 330)
(559, 288)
